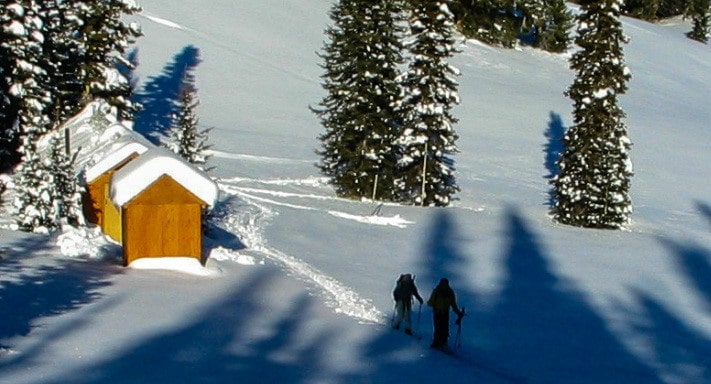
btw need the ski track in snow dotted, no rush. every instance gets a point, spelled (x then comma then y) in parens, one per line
(241, 156)
(250, 193)
(160, 20)
(229, 48)
(248, 223)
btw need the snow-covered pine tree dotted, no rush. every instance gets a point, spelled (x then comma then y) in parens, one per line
(669, 8)
(67, 201)
(185, 138)
(360, 111)
(106, 37)
(11, 24)
(642, 9)
(23, 44)
(428, 139)
(490, 21)
(698, 11)
(63, 56)
(33, 206)
(592, 187)
(552, 26)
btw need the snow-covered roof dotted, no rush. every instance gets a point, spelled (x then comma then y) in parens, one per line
(129, 181)
(121, 151)
(94, 133)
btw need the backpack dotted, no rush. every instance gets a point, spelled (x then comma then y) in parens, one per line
(402, 290)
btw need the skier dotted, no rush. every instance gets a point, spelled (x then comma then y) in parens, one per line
(405, 289)
(441, 299)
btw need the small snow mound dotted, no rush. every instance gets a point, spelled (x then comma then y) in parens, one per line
(7, 351)
(395, 221)
(86, 242)
(223, 254)
(187, 265)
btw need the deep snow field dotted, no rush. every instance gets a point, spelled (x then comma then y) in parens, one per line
(297, 288)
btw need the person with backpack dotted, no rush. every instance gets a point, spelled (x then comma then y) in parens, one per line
(441, 299)
(405, 289)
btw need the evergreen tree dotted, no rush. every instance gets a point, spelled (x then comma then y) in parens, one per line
(553, 22)
(106, 37)
(66, 198)
(63, 56)
(32, 204)
(670, 8)
(185, 138)
(426, 167)
(360, 112)
(642, 9)
(11, 24)
(494, 22)
(592, 187)
(699, 13)
(46, 192)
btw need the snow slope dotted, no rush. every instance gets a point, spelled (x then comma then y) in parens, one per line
(298, 287)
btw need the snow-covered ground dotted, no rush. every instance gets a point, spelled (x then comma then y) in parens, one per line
(298, 285)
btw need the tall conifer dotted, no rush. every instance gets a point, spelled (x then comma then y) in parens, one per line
(360, 111)
(185, 137)
(106, 38)
(592, 187)
(428, 139)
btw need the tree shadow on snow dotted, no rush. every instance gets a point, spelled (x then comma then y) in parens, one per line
(160, 94)
(31, 293)
(394, 357)
(705, 210)
(678, 351)
(220, 345)
(543, 327)
(128, 71)
(553, 148)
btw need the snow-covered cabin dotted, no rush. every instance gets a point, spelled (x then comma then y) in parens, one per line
(161, 198)
(144, 197)
(97, 177)
(101, 144)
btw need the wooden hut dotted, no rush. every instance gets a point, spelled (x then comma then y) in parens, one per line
(160, 199)
(97, 177)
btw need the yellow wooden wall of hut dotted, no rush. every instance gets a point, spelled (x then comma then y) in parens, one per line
(163, 220)
(95, 198)
(111, 223)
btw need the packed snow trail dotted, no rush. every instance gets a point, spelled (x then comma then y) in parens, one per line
(247, 223)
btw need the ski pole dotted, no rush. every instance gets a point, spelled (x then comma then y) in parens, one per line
(458, 339)
(419, 311)
(392, 317)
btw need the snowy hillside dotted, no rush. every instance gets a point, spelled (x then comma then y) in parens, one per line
(298, 285)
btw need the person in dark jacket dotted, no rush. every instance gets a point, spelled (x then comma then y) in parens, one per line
(441, 299)
(405, 289)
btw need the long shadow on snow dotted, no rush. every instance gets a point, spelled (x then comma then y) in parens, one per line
(442, 258)
(128, 71)
(394, 357)
(51, 290)
(543, 327)
(553, 148)
(214, 348)
(705, 210)
(160, 95)
(680, 352)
